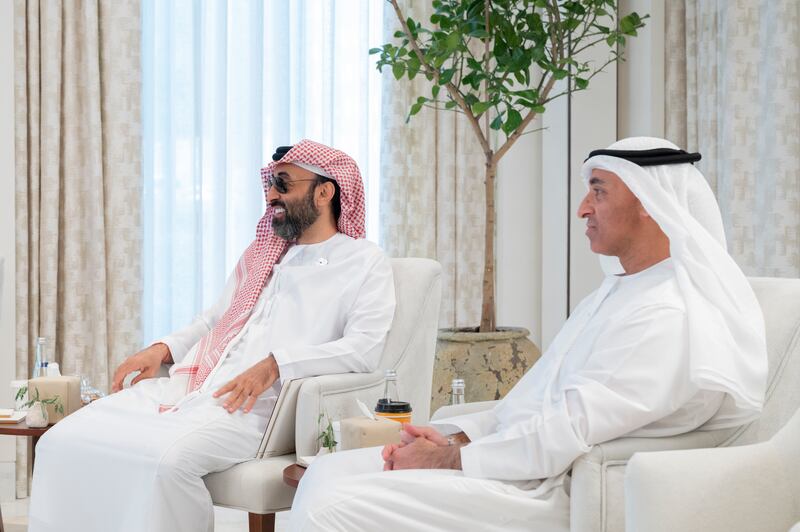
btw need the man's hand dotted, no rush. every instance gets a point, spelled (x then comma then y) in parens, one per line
(148, 362)
(422, 453)
(423, 448)
(412, 432)
(249, 385)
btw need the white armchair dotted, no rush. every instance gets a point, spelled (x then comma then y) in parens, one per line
(753, 483)
(598, 494)
(257, 486)
(729, 489)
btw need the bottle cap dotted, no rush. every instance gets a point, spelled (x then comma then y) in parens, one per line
(386, 406)
(390, 374)
(458, 382)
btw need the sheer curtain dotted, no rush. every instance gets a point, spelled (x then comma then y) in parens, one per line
(733, 93)
(223, 84)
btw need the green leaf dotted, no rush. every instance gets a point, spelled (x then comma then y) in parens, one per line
(450, 105)
(413, 66)
(453, 41)
(560, 73)
(538, 109)
(375, 50)
(435, 91)
(528, 94)
(512, 122)
(497, 123)
(581, 83)
(412, 26)
(414, 110)
(478, 108)
(446, 76)
(398, 69)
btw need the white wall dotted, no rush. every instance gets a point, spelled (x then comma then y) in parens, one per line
(519, 230)
(7, 317)
(641, 75)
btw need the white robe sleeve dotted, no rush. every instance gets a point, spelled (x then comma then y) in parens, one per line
(360, 347)
(637, 374)
(181, 342)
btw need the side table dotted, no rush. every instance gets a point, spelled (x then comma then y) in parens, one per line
(22, 429)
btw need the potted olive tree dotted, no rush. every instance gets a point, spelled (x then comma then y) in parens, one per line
(497, 62)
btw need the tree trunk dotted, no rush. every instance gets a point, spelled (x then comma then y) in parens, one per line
(488, 307)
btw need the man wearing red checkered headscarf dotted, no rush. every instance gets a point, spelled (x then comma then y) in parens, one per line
(309, 296)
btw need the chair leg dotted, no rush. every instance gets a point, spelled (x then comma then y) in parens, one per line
(261, 522)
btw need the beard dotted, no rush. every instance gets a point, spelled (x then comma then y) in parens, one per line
(299, 215)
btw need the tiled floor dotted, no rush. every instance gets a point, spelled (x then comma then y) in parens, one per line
(15, 518)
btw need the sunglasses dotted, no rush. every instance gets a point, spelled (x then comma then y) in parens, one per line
(282, 185)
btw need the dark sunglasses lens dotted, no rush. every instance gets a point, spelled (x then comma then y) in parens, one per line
(279, 183)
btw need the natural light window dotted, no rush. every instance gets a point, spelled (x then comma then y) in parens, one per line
(223, 84)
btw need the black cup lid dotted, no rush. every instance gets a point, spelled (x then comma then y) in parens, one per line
(385, 406)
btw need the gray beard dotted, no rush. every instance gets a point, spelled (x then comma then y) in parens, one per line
(299, 216)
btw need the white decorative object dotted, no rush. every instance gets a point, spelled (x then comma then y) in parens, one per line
(53, 370)
(37, 415)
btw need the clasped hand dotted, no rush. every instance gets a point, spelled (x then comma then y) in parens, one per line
(421, 448)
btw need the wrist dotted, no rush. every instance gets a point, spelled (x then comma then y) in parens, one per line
(454, 456)
(164, 353)
(271, 364)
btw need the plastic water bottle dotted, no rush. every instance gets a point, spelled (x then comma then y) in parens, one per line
(40, 362)
(457, 393)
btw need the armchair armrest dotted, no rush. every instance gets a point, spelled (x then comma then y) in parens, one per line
(597, 490)
(335, 395)
(460, 410)
(713, 490)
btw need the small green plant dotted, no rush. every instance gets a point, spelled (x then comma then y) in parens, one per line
(55, 401)
(326, 436)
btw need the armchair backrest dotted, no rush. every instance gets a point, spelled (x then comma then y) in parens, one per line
(409, 350)
(412, 339)
(780, 302)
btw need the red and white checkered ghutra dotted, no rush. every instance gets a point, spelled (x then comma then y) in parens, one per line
(255, 264)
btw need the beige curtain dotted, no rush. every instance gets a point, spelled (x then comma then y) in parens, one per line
(78, 183)
(432, 193)
(733, 93)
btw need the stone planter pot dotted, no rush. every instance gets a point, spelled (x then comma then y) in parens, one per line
(490, 363)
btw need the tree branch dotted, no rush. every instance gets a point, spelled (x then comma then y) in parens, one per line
(451, 89)
(521, 128)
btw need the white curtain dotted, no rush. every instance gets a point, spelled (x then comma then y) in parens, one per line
(432, 194)
(224, 83)
(78, 188)
(733, 93)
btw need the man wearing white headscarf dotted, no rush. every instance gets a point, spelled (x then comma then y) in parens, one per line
(672, 341)
(309, 296)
